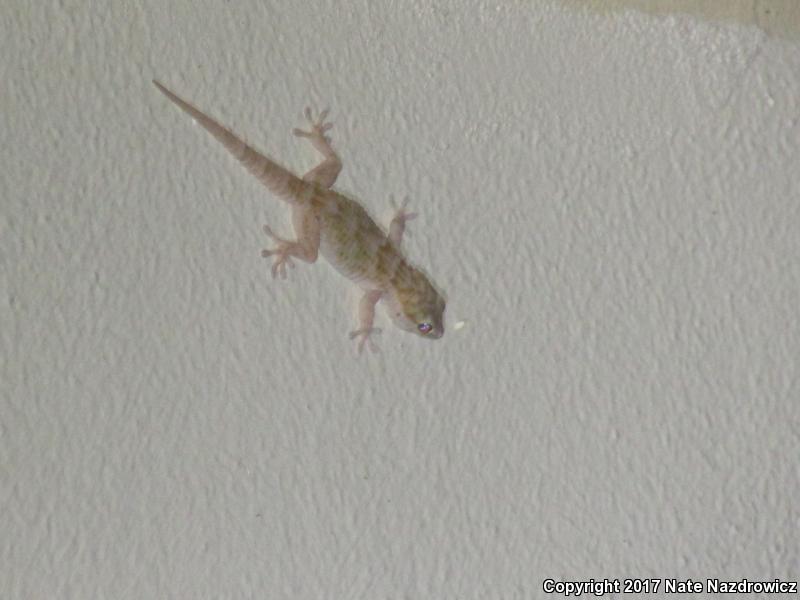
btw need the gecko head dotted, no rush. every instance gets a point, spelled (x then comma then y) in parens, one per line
(418, 308)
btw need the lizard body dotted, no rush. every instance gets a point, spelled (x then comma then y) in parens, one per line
(328, 223)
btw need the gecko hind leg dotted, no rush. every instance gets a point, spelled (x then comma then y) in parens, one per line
(305, 248)
(327, 171)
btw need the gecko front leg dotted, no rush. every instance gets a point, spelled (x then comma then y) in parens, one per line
(366, 308)
(398, 224)
(366, 317)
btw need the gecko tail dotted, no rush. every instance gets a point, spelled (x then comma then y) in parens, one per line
(277, 179)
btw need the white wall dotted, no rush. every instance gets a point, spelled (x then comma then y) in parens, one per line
(609, 200)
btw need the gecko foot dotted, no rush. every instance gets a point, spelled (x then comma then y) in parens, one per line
(365, 334)
(318, 127)
(398, 224)
(400, 214)
(282, 254)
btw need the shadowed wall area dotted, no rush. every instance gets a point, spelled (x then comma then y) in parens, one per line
(776, 17)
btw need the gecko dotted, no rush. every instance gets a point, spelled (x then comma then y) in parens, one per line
(327, 222)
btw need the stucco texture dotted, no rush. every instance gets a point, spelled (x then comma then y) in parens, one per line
(609, 200)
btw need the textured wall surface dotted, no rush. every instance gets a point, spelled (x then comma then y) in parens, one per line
(609, 200)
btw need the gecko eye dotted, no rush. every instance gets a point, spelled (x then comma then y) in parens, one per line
(424, 327)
